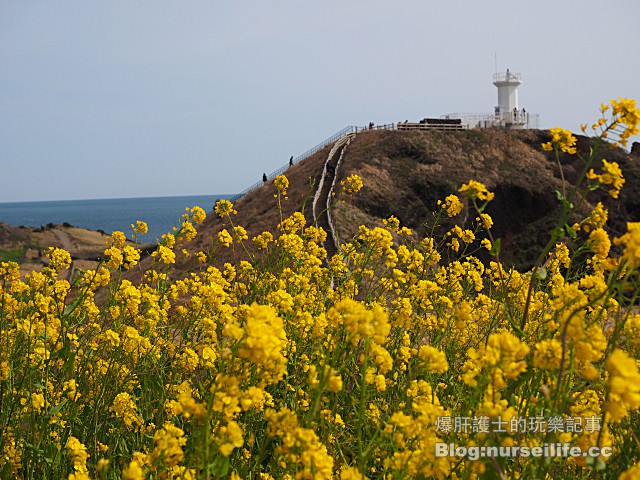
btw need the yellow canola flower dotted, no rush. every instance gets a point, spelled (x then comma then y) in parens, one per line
(360, 322)
(37, 401)
(114, 256)
(597, 218)
(352, 184)
(125, 408)
(452, 205)
(166, 254)
(169, 441)
(59, 259)
(507, 351)
(265, 340)
(78, 455)
(233, 436)
(225, 238)
(562, 140)
(434, 359)
(611, 175)
(131, 256)
(282, 183)
(188, 231)
(487, 221)
(299, 446)
(630, 242)
(140, 227)
(263, 240)
(224, 207)
(240, 233)
(474, 189)
(133, 471)
(505, 356)
(626, 112)
(623, 385)
(632, 473)
(547, 354)
(600, 243)
(197, 214)
(117, 239)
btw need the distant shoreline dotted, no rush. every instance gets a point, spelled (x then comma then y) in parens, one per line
(108, 215)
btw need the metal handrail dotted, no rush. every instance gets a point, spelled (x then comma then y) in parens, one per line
(333, 138)
(507, 77)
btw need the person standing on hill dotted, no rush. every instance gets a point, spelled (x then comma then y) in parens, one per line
(264, 178)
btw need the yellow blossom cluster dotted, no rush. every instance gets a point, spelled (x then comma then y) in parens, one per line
(291, 364)
(611, 176)
(476, 190)
(452, 205)
(562, 140)
(352, 184)
(282, 183)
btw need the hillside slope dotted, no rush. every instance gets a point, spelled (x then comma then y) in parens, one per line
(28, 246)
(405, 173)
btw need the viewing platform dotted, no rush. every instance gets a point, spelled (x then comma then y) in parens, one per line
(513, 119)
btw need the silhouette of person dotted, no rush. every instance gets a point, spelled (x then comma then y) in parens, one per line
(331, 169)
(291, 161)
(264, 177)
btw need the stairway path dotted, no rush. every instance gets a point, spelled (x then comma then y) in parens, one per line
(324, 194)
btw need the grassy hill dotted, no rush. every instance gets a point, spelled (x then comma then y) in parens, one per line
(405, 173)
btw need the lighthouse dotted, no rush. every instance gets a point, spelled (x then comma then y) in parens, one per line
(508, 113)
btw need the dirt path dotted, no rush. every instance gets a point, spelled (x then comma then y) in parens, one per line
(65, 240)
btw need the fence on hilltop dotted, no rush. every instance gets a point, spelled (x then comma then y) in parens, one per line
(333, 138)
(465, 121)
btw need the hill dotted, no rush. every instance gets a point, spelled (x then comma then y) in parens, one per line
(28, 246)
(405, 173)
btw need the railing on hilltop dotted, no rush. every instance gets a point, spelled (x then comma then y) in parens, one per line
(333, 138)
(468, 121)
(514, 119)
(386, 126)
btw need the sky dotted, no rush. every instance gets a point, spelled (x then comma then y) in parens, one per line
(141, 98)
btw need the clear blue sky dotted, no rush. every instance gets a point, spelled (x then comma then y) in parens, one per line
(126, 98)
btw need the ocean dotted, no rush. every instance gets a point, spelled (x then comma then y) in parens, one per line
(160, 213)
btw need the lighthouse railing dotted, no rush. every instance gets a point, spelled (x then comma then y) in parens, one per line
(507, 77)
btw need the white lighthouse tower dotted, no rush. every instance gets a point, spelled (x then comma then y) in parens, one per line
(508, 113)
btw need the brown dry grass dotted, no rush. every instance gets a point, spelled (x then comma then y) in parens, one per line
(406, 173)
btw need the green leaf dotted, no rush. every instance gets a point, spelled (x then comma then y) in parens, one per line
(495, 248)
(570, 231)
(53, 410)
(220, 466)
(560, 196)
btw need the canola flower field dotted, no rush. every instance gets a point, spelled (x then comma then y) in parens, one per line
(291, 365)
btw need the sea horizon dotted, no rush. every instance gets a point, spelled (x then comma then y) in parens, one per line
(108, 214)
(221, 195)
